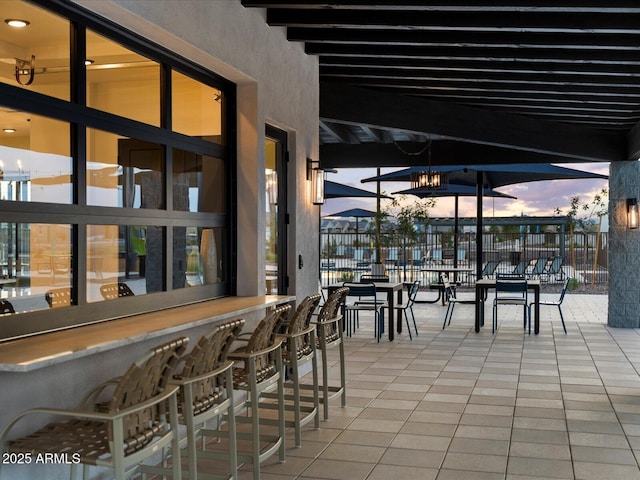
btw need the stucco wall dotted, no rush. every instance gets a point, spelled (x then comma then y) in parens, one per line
(277, 84)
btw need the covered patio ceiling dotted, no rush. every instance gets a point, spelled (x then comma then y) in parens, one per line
(488, 81)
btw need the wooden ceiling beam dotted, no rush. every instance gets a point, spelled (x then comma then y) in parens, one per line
(352, 105)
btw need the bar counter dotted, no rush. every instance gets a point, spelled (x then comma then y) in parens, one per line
(38, 351)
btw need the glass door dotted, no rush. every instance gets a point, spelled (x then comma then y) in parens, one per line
(277, 280)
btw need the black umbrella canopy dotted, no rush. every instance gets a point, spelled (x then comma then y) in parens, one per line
(493, 175)
(354, 212)
(452, 190)
(340, 190)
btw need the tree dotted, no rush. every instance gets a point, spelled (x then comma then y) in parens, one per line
(408, 215)
(596, 207)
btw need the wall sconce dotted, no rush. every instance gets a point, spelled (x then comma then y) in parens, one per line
(632, 213)
(317, 176)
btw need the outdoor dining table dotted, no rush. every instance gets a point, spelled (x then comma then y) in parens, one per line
(486, 284)
(389, 288)
(440, 269)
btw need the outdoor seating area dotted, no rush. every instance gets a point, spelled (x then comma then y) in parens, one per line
(452, 404)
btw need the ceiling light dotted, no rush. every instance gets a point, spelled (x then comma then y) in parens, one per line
(9, 130)
(16, 23)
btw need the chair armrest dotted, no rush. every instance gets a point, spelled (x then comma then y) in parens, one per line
(246, 355)
(301, 333)
(89, 415)
(91, 397)
(178, 380)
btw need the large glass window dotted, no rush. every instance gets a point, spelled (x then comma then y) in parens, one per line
(129, 255)
(198, 183)
(122, 82)
(197, 256)
(39, 50)
(197, 108)
(95, 206)
(35, 165)
(124, 172)
(35, 265)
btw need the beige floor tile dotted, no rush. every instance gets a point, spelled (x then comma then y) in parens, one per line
(421, 442)
(475, 462)
(353, 453)
(539, 467)
(412, 458)
(355, 437)
(540, 450)
(603, 455)
(484, 446)
(338, 470)
(597, 471)
(386, 472)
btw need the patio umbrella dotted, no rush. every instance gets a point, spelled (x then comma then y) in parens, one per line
(491, 176)
(452, 190)
(356, 213)
(340, 190)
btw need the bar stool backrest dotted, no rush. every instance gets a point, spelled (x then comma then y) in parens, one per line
(300, 321)
(209, 354)
(263, 336)
(146, 378)
(329, 311)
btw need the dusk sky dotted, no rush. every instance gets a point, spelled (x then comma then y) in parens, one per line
(533, 198)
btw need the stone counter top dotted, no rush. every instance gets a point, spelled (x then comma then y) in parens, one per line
(31, 353)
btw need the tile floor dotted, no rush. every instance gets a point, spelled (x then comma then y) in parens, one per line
(453, 404)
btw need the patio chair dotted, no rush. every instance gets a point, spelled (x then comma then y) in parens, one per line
(557, 303)
(206, 391)
(364, 299)
(6, 307)
(111, 291)
(489, 269)
(521, 267)
(329, 335)
(450, 295)
(298, 350)
(510, 290)
(539, 267)
(554, 269)
(122, 433)
(258, 369)
(402, 309)
(58, 297)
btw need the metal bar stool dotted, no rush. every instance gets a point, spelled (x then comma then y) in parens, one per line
(206, 391)
(140, 419)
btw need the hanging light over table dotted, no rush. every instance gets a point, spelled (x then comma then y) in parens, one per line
(430, 179)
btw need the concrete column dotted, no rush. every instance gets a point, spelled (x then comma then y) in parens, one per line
(624, 247)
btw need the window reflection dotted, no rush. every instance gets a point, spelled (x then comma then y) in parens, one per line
(196, 108)
(47, 39)
(124, 172)
(35, 265)
(124, 260)
(35, 165)
(121, 82)
(197, 256)
(198, 183)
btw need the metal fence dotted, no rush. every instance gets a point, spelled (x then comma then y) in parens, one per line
(346, 256)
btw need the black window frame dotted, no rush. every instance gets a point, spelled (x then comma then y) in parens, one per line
(79, 214)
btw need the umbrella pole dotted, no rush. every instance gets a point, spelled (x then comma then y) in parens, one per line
(455, 239)
(479, 227)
